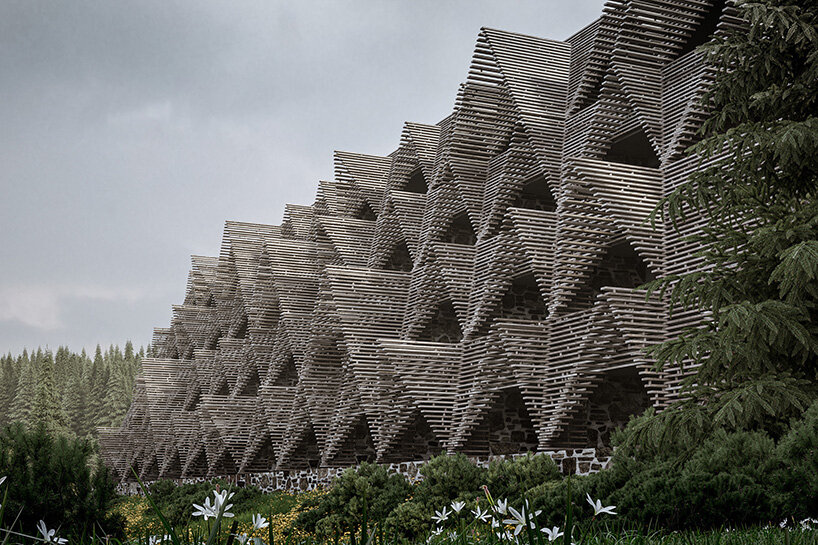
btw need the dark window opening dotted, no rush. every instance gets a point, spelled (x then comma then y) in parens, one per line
(365, 212)
(633, 149)
(592, 95)
(705, 29)
(536, 195)
(223, 390)
(523, 300)
(620, 267)
(288, 376)
(460, 231)
(443, 326)
(417, 182)
(251, 388)
(210, 301)
(241, 331)
(400, 259)
(189, 353)
(175, 354)
(214, 342)
(195, 401)
(505, 428)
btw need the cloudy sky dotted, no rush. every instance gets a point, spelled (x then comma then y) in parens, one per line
(130, 131)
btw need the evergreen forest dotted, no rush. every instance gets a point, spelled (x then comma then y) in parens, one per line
(68, 392)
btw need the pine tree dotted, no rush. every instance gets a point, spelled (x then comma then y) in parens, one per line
(47, 409)
(757, 188)
(20, 409)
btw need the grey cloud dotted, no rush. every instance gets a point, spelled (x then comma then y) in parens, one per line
(132, 130)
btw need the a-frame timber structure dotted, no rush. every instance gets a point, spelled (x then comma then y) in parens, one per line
(474, 291)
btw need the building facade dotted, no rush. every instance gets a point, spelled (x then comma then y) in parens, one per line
(474, 291)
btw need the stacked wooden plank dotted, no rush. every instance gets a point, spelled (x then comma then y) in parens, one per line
(476, 290)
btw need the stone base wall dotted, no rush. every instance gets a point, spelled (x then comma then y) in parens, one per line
(573, 461)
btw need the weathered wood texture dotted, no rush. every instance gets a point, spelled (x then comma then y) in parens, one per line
(474, 291)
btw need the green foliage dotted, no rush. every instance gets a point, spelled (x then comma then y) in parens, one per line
(757, 350)
(797, 474)
(366, 492)
(735, 479)
(517, 478)
(56, 479)
(68, 392)
(176, 501)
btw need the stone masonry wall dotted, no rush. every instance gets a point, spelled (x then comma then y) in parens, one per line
(574, 461)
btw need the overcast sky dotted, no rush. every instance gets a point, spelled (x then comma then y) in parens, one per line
(130, 131)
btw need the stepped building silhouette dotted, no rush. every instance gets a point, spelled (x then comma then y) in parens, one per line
(474, 291)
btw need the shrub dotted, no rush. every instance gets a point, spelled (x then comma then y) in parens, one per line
(57, 479)
(176, 501)
(797, 474)
(366, 492)
(515, 478)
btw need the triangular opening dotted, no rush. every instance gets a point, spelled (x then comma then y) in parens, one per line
(189, 353)
(505, 428)
(241, 330)
(213, 344)
(306, 453)
(210, 301)
(224, 465)
(357, 447)
(618, 395)
(592, 95)
(620, 266)
(523, 300)
(223, 389)
(365, 212)
(264, 458)
(460, 231)
(536, 195)
(416, 182)
(173, 469)
(151, 470)
(416, 442)
(399, 259)
(705, 29)
(198, 465)
(251, 387)
(634, 148)
(288, 376)
(174, 355)
(443, 325)
(195, 401)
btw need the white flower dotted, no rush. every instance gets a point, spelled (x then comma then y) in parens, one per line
(48, 535)
(220, 499)
(259, 522)
(441, 516)
(552, 533)
(521, 519)
(156, 540)
(458, 506)
(2, 479)
(502, 507)
(241, 538)
(597, 505)
(207, 510)
(481, 515)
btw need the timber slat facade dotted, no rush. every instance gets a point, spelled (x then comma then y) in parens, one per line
(474, 291)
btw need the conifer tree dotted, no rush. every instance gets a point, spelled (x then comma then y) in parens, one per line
(757, 351)
(47, 409)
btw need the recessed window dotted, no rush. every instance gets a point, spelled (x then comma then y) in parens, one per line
(633, 148)
(460, 231)
(365, 212)
(416, 182)
(536, 195)
(705, 29)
